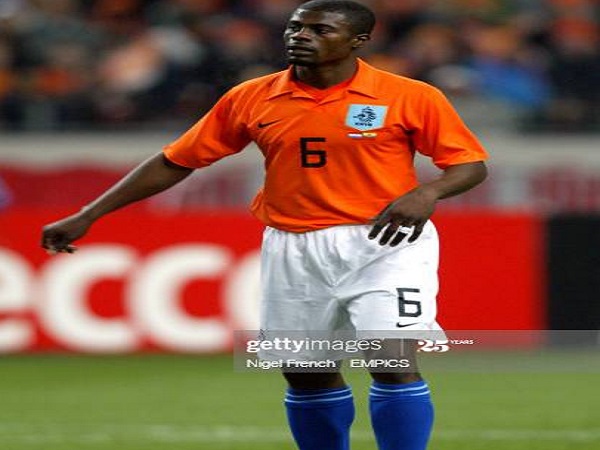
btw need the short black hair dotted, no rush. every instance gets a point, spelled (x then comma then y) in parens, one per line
(361, 18)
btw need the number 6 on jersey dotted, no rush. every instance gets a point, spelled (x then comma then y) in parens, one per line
(312, 157)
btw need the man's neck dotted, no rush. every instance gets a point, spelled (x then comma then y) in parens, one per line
(323, 77)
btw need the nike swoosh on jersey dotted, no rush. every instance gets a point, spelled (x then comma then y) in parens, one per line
(266, 124)
(407, 325)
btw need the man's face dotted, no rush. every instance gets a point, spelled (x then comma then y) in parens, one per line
(314, 38)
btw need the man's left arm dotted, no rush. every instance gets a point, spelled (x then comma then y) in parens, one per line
(414, 208)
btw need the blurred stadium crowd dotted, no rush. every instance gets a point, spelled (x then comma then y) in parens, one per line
(142, 64)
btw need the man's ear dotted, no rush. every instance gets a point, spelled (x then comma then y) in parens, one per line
(360, 39)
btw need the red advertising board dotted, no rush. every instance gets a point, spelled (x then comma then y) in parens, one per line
(492, 271)
(184, 282)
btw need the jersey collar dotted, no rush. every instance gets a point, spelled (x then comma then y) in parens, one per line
(364, 83)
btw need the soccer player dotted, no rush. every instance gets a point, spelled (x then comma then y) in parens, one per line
(348, 242)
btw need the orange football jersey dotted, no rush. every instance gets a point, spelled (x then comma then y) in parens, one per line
(332, 157)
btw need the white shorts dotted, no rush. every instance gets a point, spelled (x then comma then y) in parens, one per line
(336, 280)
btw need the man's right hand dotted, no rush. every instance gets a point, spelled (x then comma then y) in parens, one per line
(57, 236)
(150, 177)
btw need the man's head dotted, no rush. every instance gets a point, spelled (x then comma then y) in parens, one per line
(326, 31)
(360, 18)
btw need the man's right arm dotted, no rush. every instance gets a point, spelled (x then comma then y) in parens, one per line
(149, 178)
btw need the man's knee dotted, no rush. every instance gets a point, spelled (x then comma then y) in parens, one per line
(396, 377)
(314, 380)
(396, 350)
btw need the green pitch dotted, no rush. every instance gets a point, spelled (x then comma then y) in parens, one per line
(158, 402)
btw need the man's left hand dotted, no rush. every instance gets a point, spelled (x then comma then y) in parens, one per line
(412, 210)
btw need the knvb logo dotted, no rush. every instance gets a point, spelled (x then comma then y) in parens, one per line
(366, 117)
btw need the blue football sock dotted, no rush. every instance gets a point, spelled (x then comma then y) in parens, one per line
(320, 419)
(401, 415)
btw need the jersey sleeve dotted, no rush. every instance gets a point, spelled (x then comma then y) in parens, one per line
(219, 133)
(441, 134)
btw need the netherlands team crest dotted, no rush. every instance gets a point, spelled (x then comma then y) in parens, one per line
(366, 117)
